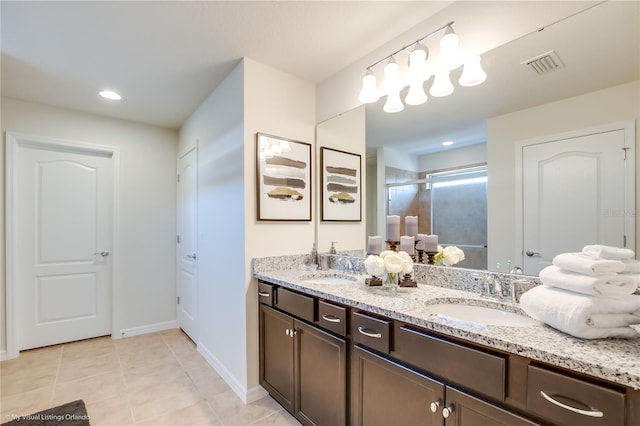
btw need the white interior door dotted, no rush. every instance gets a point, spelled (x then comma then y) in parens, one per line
(187, 243)
(575, 192)
(62, 199)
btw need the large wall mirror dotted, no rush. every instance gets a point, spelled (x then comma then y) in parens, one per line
(595, 87)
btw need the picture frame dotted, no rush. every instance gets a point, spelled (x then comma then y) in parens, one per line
(341, 186)
(283, 179)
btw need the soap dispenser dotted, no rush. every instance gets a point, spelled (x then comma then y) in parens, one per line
(332, 250)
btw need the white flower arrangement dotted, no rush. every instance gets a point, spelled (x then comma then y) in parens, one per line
(389, 262)
(448, 256)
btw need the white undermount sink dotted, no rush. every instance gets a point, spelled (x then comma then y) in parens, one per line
(481, 314)
(328, 279)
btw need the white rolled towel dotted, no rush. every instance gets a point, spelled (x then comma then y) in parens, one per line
(584, 263)
(631, 266)
(573, 313)
(609, 252)
(598, 285)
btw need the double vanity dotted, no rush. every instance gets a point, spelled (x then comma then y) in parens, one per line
(448, 352)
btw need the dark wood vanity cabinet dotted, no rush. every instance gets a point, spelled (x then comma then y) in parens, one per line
(334, 365)
(384, 392)
(301, 366)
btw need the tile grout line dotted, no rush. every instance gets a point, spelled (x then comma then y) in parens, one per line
(55, 380)
(124, 381)
(191, 380)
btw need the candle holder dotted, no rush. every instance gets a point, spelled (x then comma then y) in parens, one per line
(420, 255)
(406, 281)
(373, 281)
(431, 257)
(393, 245)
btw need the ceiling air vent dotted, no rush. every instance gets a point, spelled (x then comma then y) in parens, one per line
(545, 63)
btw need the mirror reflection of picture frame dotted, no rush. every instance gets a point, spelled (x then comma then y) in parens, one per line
(283, 174)
(341, 186)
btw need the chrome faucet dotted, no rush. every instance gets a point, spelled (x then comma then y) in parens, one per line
(344, 264)
(493, 288)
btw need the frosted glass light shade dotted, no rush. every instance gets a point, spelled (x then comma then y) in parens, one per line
(391, 82)
(449, 51)
(369, 92)
(441, 85)
(416, 94)
(472, 73)
(394, 103)
(418, 64)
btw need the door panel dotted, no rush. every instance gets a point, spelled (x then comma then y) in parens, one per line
(187, 247)
(64, 231)
(68, 216)
(572, 189)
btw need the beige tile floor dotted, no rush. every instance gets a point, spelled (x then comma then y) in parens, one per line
(154, 379)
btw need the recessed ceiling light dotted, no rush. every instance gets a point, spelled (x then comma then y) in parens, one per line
(447, 143)
(111, 95)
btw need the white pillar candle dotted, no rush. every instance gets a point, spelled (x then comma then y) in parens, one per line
(393, 228)
(407, 243)
(374, 245)
(431, 243)
(411, 225)
(421, 241)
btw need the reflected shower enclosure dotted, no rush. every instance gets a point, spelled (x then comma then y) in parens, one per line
(451, 204)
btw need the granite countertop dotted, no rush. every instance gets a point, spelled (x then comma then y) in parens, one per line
(616, 360)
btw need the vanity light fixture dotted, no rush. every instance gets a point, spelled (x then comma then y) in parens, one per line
(110, 94)
(419, 72)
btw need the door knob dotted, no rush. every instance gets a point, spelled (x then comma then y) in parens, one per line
(531, 253)
(434, 406)
(192, 256)
(102, 253)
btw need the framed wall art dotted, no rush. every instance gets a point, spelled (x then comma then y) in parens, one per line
(283, 179)
(341, 190)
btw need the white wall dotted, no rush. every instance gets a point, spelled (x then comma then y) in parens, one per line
(345, 132)
(253, 98)
(454, 158)
(147, 202)
(606, 106)
(218, 126)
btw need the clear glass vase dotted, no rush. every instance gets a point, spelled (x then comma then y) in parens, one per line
(390, 282)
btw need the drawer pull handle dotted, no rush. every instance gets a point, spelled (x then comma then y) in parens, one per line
(371, 333)
(590, 413)
(330, 318)
(263, 294)
(434, 406)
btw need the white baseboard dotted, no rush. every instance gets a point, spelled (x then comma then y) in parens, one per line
(3, 355)
(246, 395)
(150, 328)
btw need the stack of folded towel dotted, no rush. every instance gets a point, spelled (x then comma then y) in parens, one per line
(588, 294)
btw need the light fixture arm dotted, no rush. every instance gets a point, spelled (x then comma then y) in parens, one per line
(411, 44)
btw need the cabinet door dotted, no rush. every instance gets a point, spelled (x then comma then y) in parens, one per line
(321, 376)
(276, 355)
(385, 393)
(466, 410)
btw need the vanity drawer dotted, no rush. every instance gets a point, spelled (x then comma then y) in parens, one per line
(332, 317)
(565, 400)
(371, 332)
(296, 304)
(265, 293)
(471, 368)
